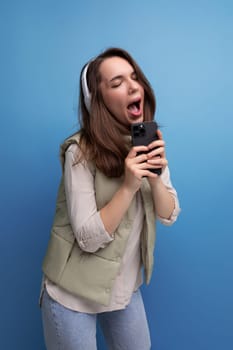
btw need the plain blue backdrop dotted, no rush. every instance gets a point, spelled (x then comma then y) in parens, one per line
(186, 50)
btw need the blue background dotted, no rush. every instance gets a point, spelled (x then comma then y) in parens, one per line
(185, 48)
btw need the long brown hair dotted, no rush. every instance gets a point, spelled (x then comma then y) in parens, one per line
(103, 137)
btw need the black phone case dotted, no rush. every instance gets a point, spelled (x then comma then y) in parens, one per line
(143, 134)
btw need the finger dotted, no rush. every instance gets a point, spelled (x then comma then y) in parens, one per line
(157, 143)
(148, 173)
(148, 166)
(158, 162)
(145, 173)
(152, 175)
(140, 158)
(159, 151)
(136, 149)
(130, 162)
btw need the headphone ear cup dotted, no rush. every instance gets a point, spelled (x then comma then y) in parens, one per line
(86, 92)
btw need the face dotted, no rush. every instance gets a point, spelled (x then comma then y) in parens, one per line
(121, 91)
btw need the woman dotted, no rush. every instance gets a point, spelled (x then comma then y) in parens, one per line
(108, 200)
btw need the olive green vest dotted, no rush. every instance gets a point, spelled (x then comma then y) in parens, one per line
(92, 275)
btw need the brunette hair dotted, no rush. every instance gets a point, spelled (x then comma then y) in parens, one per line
(103, 137)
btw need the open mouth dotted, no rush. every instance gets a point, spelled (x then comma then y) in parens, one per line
(135, 107)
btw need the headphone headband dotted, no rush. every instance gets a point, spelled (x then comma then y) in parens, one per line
(86, 92)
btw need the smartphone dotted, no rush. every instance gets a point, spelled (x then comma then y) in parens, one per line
(143, 134)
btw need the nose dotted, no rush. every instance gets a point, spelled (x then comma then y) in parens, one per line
(133, 86)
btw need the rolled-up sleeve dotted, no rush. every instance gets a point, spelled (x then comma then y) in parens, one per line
(84, 217)
(165, 177)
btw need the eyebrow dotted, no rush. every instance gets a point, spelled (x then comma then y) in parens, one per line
(120, 76)
(116, 78)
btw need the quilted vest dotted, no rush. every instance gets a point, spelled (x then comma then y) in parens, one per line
(92, 275)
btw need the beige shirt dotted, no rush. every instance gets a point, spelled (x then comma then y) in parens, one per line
(91, 235)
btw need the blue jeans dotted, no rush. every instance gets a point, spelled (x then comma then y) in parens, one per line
(65, 329)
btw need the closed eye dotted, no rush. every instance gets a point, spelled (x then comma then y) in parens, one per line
(116, 82)
(116, 85)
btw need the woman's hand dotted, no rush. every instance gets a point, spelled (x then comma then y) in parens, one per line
(137, 166)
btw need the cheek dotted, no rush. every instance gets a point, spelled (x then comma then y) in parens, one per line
(115, 100)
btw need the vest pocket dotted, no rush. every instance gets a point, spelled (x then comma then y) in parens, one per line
(57, 255)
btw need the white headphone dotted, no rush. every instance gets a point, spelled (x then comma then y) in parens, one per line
(86, 92)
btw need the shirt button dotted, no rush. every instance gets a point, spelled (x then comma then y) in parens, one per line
(107, 290)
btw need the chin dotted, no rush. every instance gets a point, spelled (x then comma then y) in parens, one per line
(136, 120)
